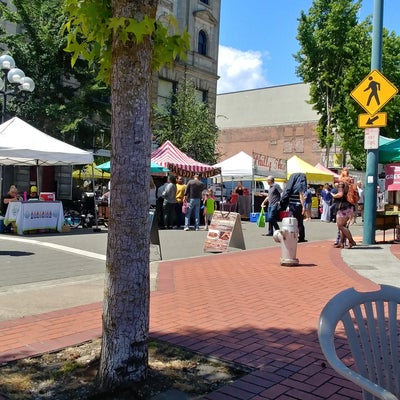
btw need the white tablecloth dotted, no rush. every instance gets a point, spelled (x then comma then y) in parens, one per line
(35, 215)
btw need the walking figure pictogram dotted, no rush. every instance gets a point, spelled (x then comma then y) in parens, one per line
(374, 87)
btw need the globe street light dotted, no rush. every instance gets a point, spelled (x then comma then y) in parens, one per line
(12, 81)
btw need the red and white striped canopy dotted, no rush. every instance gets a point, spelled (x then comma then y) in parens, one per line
(169, 156)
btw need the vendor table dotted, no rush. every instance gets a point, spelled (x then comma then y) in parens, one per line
(35, 216)
(244, 206)
(387, 220)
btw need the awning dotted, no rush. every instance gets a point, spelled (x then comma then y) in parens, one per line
(169, 156)
(313, 174)
(154, 167)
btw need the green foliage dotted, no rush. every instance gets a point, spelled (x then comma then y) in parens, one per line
(91, 27)
(66, 102)
(331, 39)
(188, 123)
(334, 57)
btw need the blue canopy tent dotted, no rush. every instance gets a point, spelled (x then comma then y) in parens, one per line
(154, 167)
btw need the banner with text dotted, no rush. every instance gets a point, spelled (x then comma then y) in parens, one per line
(266, 165)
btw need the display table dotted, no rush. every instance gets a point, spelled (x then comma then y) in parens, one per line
(244, 206)
(387, 220)
(32, 216)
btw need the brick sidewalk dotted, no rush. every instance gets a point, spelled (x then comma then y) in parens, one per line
(241, 307)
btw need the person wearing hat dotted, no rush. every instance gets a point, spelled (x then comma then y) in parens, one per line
(33, 194)
(273, 198)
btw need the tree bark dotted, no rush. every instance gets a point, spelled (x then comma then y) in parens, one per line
(124, 353)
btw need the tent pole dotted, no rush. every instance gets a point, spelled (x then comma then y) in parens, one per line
(97, 229)
(253, 185)
(37, 177)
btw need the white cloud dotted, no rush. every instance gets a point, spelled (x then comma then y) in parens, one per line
(239, 70)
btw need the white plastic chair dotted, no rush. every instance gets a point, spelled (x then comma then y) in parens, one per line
(371, 327)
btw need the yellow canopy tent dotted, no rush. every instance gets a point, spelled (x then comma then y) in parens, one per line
(314, 175)
(87, 173)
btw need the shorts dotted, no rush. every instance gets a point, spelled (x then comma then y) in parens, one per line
(307, 206)
(345, 213)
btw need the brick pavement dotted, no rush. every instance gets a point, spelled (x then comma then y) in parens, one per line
(241, 307)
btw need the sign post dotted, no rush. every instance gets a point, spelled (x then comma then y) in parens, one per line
(372, 97)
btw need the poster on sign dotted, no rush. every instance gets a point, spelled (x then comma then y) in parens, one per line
(224, 231)
(392, 177)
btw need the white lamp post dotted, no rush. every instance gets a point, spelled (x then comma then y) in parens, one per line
(12, 81)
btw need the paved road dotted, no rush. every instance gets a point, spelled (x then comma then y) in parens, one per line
(50, 272)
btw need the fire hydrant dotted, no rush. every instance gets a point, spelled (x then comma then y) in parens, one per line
(288, 237)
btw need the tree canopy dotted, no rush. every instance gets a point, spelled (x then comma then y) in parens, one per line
(334, 57)
(65, 100)
(188, 123)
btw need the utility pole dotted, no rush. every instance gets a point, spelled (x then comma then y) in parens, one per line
(371, 175)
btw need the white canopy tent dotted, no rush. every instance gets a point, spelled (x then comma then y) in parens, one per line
(22, 144)
(239, 166)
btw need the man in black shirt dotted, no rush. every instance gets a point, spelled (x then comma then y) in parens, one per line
(294, 196)
(193, 195)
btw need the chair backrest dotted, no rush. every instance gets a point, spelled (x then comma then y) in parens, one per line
(370, 324)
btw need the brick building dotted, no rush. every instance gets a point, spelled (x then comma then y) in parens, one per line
(275, 121)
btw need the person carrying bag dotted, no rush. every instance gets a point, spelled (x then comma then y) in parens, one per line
(261, 219)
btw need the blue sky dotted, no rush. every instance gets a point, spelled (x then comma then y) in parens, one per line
(258, 39)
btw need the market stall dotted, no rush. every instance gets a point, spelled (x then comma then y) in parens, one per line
(35, 216)
(242, 167)
(169, 156)
(314, 175)
(23, 145)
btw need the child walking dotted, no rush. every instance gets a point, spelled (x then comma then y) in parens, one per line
(209, 207)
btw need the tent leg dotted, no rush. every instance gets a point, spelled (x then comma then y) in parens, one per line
(96, 229)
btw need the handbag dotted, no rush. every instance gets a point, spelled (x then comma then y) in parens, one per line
(261, 219)
(185, 207)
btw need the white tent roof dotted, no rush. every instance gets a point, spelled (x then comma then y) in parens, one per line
(238, 166)
(22, 144)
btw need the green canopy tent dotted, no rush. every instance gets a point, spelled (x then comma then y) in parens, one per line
(384, 140)
(389, 152)
(154, 167)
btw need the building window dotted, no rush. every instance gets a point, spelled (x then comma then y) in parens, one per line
(166, 90)
(202, 45)
(205, 2)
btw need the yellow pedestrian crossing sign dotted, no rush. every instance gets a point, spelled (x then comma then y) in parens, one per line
(373, 92)
(379, 120)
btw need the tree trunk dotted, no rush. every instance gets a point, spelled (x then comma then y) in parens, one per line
(124, 353)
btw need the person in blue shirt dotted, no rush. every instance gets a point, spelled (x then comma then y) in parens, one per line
(308, 203)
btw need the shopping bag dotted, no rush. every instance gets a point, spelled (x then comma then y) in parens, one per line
(185, 207)
(261, 219)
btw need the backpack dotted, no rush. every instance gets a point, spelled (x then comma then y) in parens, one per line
(352, 194)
